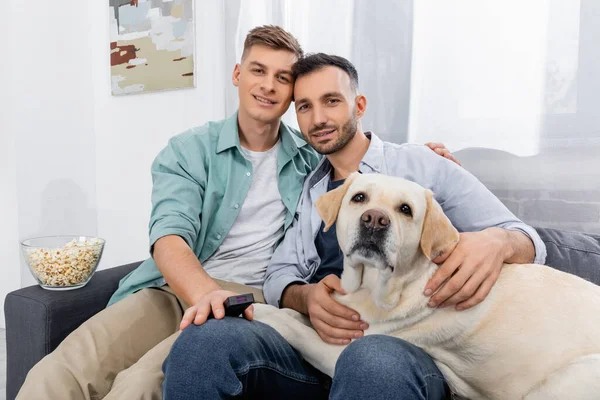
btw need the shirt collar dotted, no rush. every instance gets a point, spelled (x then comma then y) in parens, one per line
(373, 158)
(290, 141)
(229, 137)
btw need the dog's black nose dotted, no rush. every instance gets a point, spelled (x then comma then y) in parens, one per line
(375, 219)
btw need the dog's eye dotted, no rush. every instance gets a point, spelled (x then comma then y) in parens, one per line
(405, 209)
(359, 198)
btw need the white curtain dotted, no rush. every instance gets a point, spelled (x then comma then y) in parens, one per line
(488, 73)
(374, 35)
(516, 84)
(512, 87)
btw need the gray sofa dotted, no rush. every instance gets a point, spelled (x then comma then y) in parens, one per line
(37, 320)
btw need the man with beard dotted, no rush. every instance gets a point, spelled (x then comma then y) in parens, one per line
(243, 358)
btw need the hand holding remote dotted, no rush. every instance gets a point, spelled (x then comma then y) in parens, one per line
(235, 305)
(212, 305)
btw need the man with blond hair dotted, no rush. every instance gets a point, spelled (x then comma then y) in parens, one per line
(223, 195)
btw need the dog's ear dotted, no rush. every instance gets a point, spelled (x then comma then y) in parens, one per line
(438, 235)
(328, 205)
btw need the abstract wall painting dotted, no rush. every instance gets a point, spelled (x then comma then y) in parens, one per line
(151, 45)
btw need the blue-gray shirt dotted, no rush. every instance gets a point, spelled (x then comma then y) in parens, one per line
(469, 205)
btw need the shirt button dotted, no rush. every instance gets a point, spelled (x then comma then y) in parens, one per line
(218, 236)
(248, 174)
(236, 206)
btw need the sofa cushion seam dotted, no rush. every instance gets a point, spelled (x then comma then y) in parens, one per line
(571, 247)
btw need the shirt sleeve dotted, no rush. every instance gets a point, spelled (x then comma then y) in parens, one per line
(178, 185)
(469, 205)
(285, 266)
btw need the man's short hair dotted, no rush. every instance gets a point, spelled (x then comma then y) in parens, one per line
(317, 61)
(273, 37)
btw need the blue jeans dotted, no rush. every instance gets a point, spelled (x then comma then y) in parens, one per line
(383, 367)
(237, 358)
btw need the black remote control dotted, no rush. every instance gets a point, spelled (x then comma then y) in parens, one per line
(235, 305)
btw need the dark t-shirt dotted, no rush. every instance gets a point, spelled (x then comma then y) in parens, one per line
(332, 259)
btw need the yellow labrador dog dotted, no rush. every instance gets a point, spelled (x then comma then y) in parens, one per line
(536, 336)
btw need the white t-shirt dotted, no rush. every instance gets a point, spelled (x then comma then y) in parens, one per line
(246, 250)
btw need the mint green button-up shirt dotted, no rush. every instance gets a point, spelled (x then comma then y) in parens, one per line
(199, 179)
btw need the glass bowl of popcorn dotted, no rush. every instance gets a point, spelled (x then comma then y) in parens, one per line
(62, 262)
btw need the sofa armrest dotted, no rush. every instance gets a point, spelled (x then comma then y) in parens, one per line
(37, 320)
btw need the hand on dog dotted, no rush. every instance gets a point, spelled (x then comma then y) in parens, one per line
(441, 150)
(212, 301)
(469, 271)
(334, 322)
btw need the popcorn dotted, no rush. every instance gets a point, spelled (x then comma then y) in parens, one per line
(69, 265)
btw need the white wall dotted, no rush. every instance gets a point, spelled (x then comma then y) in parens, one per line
(53, 121)
(519, 98)
(131, 130)
(75, 159)
(9, 246)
